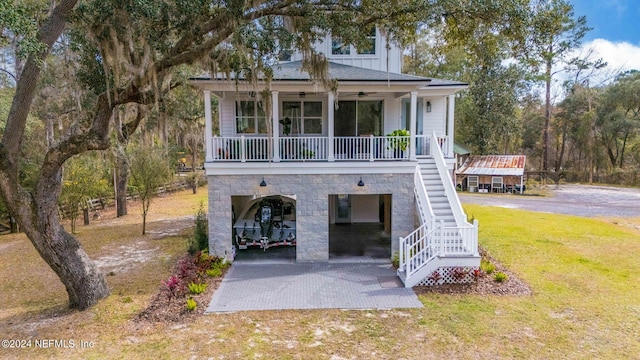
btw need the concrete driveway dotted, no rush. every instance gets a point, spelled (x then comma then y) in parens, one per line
(263, 286)
(571, 199)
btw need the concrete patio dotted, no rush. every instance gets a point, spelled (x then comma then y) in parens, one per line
(279, 286)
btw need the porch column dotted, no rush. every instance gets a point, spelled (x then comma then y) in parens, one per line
(208, 127)
(450, 123)
(330, 124)
(275, 125)
(412, 124)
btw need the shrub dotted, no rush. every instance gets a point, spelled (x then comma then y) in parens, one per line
(187, 270)
(214, 272)
(477, 274)
(435, 276)
(487, 266)
(459, 273)
(500, 277)
(200, 239)
(191, 304)
(196, 288)
(173, 286)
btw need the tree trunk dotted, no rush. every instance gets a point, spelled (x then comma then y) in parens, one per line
(122, 178)
(547, 119)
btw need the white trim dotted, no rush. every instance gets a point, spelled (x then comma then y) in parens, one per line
(275, 127)
(319, 168)
(208, 126)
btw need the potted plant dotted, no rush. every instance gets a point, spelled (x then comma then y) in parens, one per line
(286, 126)
(398, 142)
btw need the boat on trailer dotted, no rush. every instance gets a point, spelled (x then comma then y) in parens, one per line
(267, 222)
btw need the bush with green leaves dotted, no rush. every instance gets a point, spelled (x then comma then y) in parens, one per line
(191, 304)
(500, 277)
(200, 239)
(197, 288)
(487, 266)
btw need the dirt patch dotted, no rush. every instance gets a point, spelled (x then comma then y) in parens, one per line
(486, 284)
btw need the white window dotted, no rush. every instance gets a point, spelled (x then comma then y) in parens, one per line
(370, 47)
(250, 118)
(472, 181)
(303, 117)
(338, 48)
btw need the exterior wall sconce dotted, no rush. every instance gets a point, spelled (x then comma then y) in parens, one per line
(302, 94)
(263, 183)
(428, 106)
(360, 183)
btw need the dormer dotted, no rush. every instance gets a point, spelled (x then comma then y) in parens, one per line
(379, 55)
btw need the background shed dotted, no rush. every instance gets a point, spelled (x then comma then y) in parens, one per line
(492, 173)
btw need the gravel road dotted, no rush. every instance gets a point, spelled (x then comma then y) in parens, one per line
(572, 199)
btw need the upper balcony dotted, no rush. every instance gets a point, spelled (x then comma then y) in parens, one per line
(322, 148)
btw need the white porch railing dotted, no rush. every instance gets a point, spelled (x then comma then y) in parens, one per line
(242, 148)
(423, 145)
(358, 148)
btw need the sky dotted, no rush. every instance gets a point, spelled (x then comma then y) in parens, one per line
(616, 31)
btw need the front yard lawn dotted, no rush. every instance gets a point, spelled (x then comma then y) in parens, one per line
(583, 274)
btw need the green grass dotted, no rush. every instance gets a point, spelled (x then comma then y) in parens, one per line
(582, 272)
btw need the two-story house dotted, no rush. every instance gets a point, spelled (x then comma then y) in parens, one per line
(324, 157)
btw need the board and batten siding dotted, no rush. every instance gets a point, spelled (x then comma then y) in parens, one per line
(436, 119)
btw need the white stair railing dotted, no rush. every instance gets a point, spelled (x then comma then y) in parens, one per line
(432, 239)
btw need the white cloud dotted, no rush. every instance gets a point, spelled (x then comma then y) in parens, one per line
(620, 56)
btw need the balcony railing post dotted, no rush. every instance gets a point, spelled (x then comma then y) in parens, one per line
(243, 149)
(371, 148)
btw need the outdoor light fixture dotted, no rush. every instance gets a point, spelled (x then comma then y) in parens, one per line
(302, 94)
(360, 183)
(428, 106)
(263, 183)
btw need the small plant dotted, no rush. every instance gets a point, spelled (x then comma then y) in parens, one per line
(196, 288)
(459, 273)
(487, 266)
(214, 272)
(477, 274)
(435, 277)
(395, 260)
(500, 277)
(191, 304)
(398, 140)
(187, 270)
(173, 286)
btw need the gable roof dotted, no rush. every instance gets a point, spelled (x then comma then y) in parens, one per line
(292, 71)
(496, 165)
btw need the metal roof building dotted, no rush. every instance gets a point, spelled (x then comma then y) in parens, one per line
(495, 173)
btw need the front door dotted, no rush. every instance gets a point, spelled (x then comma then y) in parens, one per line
(343, 209)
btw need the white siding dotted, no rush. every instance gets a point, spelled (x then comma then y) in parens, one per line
(383, 60)
(436, 119)
(228, 113)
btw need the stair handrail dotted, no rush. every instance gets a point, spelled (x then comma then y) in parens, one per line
(449, 189)
(406, 243)
(424, 205)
